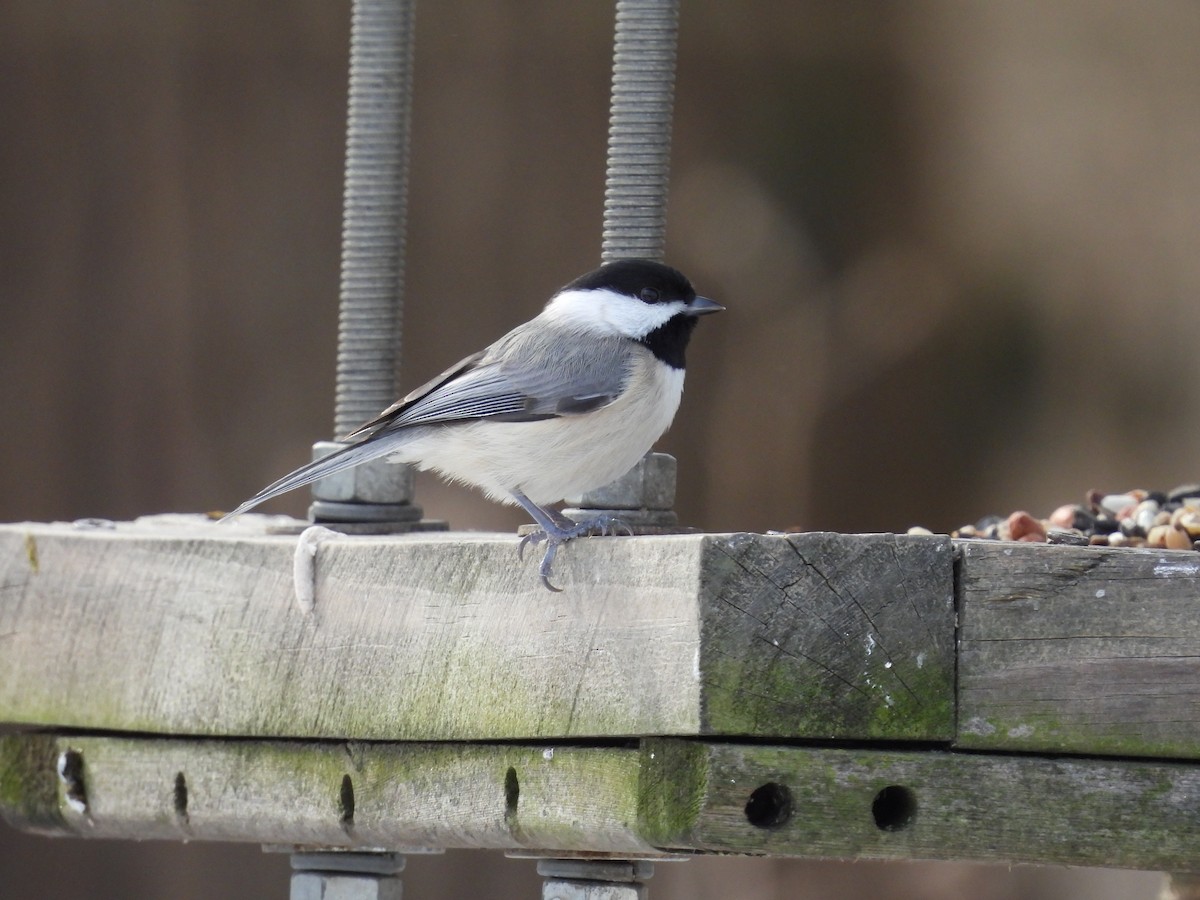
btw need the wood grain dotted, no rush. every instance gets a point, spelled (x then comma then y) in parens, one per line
(882, 804)
(332, 794)
(193, 629)
(668, 795)
(1083, 650)
(829, 636)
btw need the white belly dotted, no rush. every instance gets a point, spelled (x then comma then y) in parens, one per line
(553, 458)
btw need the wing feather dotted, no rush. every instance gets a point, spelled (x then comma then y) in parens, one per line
(385, 417)
(529, 374)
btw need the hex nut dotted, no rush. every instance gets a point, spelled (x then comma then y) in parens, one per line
(377, 481)
(648, 485)
(338, 886)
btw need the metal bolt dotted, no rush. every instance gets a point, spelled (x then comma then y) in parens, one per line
(635, 215)
(375, 207)
(340, 875)
(378, 495)
(583, 879)
(644, 497)
(652, 483)
(639, 137)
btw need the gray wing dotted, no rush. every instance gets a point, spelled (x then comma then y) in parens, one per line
(459, 368)
(532, 373)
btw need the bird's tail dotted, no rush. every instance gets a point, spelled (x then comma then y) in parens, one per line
(338, 461)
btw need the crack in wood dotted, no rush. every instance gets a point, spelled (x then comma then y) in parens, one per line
(875, 632)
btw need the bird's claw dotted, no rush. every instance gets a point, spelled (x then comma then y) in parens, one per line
(610, 525)
(557, 536)
(544, 568)
(534, 538)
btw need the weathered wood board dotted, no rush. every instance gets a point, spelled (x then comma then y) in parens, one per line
(361, 795)
(1083, 650)
(669, 795)
(828, 636)
(865, 803)
(195, 629)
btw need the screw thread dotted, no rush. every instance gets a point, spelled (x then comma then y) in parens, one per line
(374, 210)
(639, 138)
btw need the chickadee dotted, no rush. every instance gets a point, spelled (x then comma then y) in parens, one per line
(561, 405)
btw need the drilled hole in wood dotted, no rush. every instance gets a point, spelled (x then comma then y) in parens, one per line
(769, 806)
(181, 797)
(70, 773)
(346, 801)
(512, 792)
(894, 808)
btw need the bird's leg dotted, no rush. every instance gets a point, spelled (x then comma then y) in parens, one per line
(556, 529)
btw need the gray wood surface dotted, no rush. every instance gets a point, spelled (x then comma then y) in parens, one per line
(178, 627)
(665, 795)
(884, 804)
(187, 627)
(332, 794)
(828, 636)
(1082, 650)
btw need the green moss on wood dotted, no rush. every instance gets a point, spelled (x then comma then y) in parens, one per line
(963, 806)
(829, 636)
(1045, 732)
(674, 781)
(789, 700)
(448, 795)
(28, 789)
(31, 553)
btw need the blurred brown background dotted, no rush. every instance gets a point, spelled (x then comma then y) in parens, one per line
(957, 239)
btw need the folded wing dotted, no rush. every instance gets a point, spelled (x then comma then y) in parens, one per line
(515, 380)
(528, 375)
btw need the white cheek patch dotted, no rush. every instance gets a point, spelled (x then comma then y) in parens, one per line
(610, 312)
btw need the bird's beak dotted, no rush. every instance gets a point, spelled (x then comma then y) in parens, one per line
(702, 306)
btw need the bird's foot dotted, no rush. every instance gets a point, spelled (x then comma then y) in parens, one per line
(558, 532)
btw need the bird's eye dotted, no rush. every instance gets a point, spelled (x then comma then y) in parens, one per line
(650, 295)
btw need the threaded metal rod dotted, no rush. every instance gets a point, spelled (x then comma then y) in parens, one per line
(374, 212)
(639, 137)
(635, 217)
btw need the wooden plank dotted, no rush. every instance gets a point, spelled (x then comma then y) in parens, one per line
(829, 636)
(879, 804)
(1085, 650)
(666, 795)
(194, 629)
(352, 795)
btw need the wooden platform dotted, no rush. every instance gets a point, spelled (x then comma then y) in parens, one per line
(809, 695)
